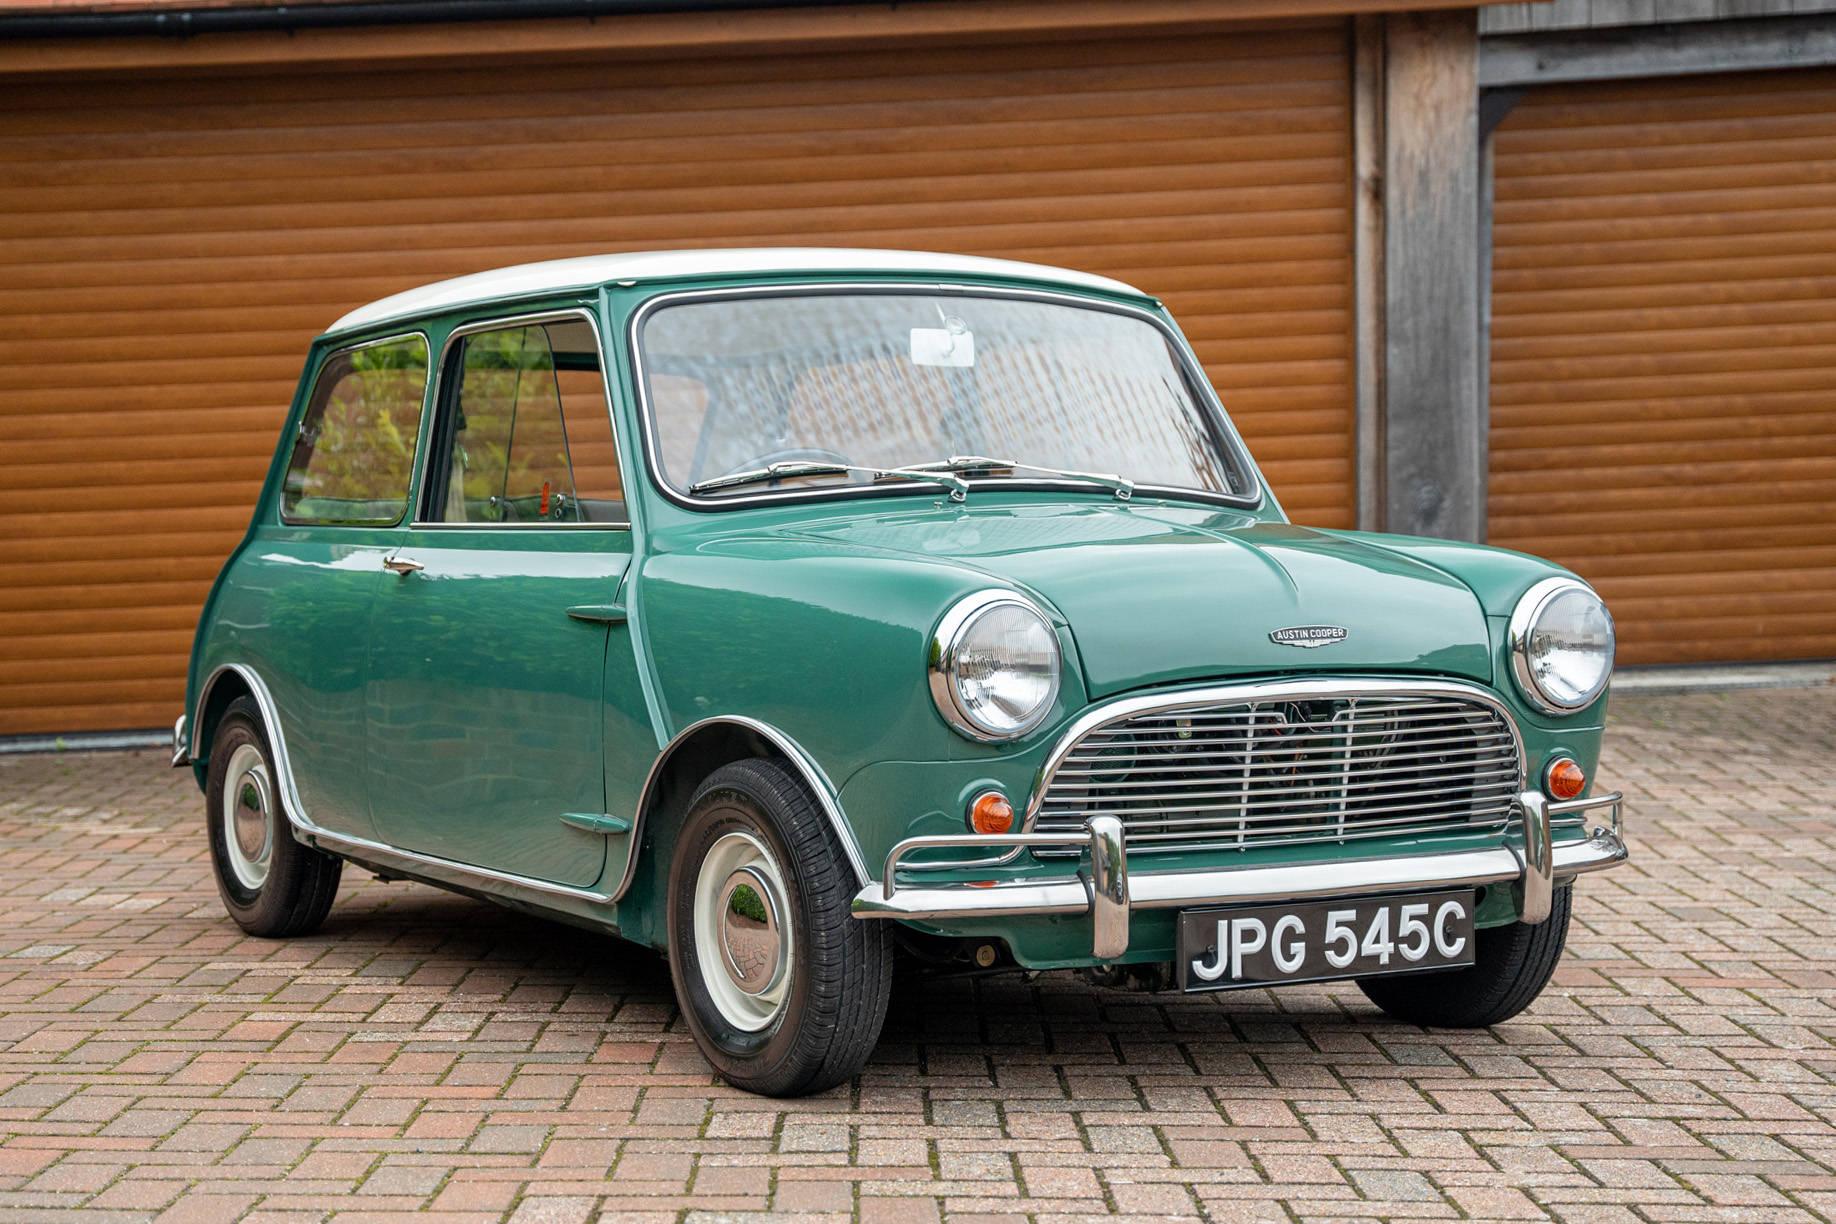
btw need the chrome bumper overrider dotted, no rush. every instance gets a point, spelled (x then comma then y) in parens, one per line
(1108, 891)
(181, 743)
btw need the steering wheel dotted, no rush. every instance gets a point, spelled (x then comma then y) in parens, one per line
(811, 454)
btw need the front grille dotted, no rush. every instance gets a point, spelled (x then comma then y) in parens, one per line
(1282, 773)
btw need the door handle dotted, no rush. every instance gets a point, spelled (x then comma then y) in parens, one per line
(401, 565)
(606, 614)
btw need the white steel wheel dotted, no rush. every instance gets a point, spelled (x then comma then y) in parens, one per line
(743, 937)
(248, 817)
(273, 885)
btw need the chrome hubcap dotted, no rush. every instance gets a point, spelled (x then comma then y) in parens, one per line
(742, 931)
(248, 817)
(749, 933)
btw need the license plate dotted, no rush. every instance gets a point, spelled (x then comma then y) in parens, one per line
(1312, 941)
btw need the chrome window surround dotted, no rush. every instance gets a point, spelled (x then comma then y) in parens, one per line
(1225, 431)
(1523, 619)
(941, 665)
(437, 385)
(420, 437)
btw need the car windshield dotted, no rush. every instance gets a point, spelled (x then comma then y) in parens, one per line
(766, 392)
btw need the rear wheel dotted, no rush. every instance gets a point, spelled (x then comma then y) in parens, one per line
(1511, 966)
(270, 884)
(784, 990)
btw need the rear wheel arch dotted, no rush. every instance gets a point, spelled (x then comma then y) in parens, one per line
(225, 685)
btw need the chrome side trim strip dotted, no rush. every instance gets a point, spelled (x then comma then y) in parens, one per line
(1306, 689)
(181, 743)
(431, 867)
(434, 869)
(813, 775)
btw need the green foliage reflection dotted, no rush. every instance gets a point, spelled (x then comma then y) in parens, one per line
(354, 454)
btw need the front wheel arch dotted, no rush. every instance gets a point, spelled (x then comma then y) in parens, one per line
(690, 758)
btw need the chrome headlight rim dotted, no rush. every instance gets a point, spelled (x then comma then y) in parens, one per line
(947, 641)
(1524, 619)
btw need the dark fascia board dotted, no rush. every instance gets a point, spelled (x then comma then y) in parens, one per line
(1677, 49)
(179, 22)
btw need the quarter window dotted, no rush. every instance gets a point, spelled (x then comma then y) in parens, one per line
(354, 454)
(527, 438)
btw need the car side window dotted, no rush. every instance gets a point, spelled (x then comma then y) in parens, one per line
(354, 454)
(526, 437)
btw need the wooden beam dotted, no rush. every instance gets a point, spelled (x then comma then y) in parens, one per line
(1754, 45)
(1367, 265)
(654, 35)
(1434, 430)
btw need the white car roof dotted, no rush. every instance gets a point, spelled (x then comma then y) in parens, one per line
(562, 275)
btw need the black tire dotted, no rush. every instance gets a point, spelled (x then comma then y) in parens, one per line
(1511, 966)
(297, 884)
(831, 996)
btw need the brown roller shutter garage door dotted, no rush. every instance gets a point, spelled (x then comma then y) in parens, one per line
(167, 247)
(1664, 356)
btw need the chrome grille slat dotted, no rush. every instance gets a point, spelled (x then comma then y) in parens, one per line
(1349, 766)
(1156, 830)
(1072, 820)
(1301, 792)
(1167, 818)
(1269, 770)
(1178, 735)
(1353, 834)
(1184, 753)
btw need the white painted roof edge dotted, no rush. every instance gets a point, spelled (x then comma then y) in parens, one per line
(562, 275)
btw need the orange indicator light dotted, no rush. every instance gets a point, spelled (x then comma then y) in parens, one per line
(1566, 781)
(991, 813)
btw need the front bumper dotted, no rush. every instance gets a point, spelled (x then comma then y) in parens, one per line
(1108, 892)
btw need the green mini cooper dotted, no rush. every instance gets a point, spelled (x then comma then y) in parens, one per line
(807, 613)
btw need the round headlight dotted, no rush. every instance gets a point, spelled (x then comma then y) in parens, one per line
(1561, 645)
(994, 666)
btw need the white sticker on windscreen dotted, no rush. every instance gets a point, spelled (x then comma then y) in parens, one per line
(953, 344)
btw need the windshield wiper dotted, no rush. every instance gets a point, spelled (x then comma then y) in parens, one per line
(1122, 487)
(786, 470)
(793, 468)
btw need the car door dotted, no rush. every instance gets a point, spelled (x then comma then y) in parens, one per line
(486, 697)
(303, 592)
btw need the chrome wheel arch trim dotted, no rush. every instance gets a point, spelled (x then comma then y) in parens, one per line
(428, 867)
(270, 720)
(812, 773)
(1300, 689)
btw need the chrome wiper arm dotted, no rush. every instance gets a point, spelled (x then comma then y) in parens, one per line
(1121, 486)
(791, 468)
(776, 471)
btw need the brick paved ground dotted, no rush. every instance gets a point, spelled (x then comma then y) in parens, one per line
(428, 1053)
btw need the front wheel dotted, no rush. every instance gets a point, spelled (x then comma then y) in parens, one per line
(784, 990)
(270, 884)
(1511, 966)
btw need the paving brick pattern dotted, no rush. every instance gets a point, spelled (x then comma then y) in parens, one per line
(429, 1054)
